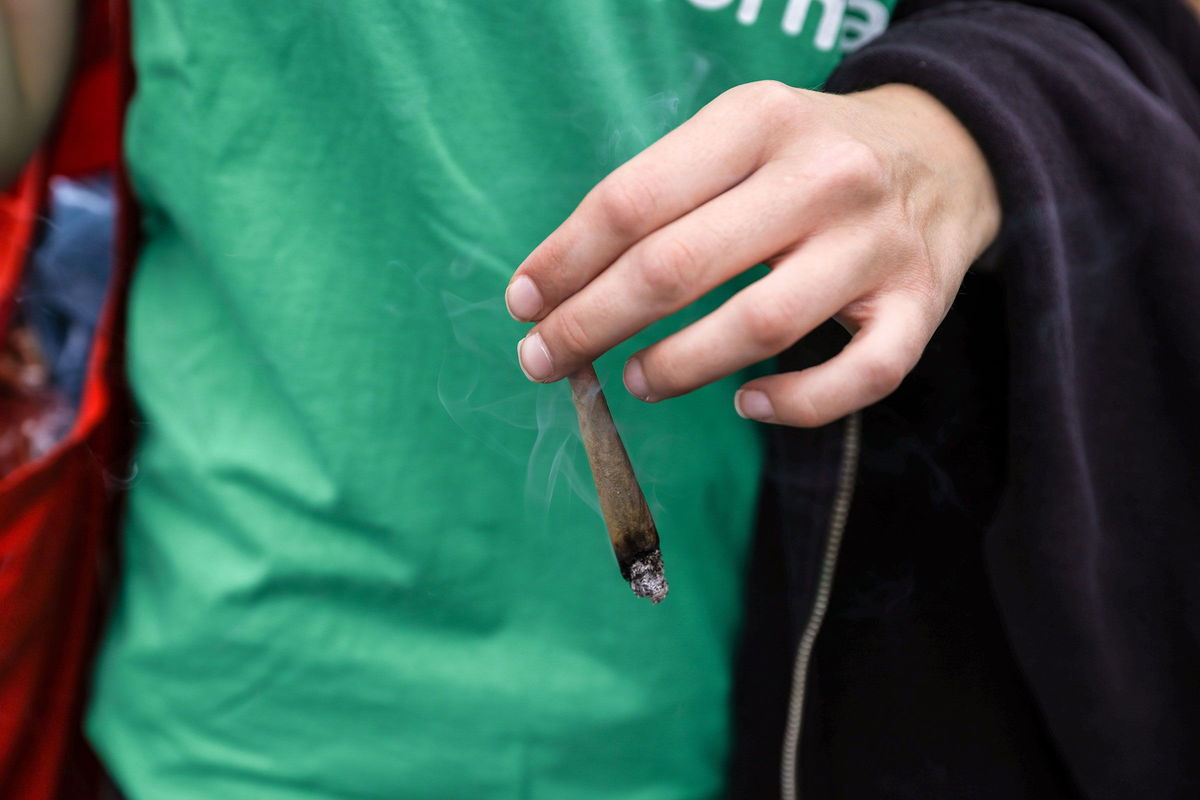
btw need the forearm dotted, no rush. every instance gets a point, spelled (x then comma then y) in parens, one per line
(36, 39)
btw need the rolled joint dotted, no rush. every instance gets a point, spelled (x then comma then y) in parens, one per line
(630, 525)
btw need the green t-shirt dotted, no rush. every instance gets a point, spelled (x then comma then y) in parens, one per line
(363, 555)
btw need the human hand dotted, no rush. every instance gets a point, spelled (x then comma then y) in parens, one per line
(868, 208)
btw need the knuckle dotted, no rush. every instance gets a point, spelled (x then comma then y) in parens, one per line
(666, 269)
(769, 327)
(626, 202)
(770, 102)
(805, 413)
(665, 374)
(855, 167)
(551, 260)
(774, 99)
(571, 336)
(882, 375)
(797, 406)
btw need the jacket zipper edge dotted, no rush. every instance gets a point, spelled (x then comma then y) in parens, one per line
(844, 494)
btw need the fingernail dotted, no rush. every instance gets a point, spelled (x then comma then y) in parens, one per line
(534, 358)
(635, 379)
(523, 299)
(752, 404)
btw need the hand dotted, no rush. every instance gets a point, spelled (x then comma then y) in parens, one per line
(868, 208)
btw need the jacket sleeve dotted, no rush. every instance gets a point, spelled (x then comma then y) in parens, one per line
(1088, 113)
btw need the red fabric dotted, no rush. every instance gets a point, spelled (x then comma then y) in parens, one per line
(89, 137)
(57, 513)
(19, 208)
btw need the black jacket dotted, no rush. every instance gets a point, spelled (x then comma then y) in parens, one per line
(1016, 607)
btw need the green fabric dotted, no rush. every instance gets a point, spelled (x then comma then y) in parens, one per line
(363, 556)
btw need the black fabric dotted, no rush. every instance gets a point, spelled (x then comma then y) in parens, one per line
(915, 692)
(1055, 600)
(794, 515)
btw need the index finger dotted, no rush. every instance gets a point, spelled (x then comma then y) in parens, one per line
(707, 155)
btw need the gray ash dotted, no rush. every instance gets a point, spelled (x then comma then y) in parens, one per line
(646, 577)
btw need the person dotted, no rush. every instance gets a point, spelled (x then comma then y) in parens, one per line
(348, 566)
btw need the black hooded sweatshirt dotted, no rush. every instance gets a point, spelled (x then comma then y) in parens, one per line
(1015, 611)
